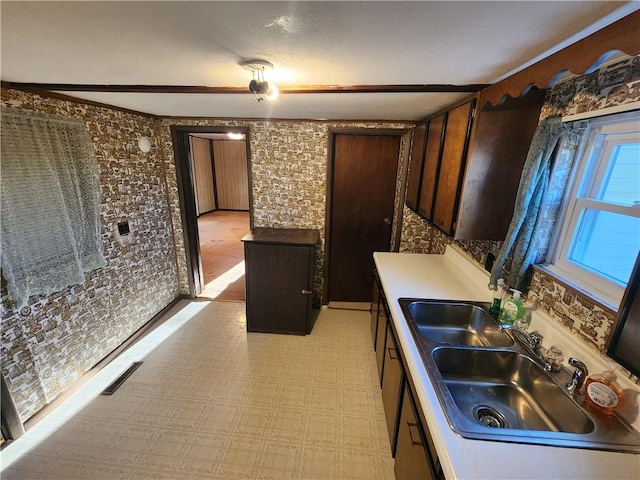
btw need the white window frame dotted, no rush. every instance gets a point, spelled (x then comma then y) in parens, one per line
(585, 180)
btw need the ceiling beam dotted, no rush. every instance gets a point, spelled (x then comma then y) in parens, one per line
(427, 88)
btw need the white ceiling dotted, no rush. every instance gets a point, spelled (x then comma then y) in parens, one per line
(187, 43)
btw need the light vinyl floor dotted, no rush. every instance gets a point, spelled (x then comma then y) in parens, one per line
(213, 401)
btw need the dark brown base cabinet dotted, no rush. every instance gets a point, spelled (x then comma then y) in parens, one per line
(375, 305)
(414, 458)
(279, 280)
(392, 383)
(411, 443)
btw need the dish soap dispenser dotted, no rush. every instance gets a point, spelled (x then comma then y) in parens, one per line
(513, 308)
(602, 392)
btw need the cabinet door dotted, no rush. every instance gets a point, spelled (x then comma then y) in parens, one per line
(415, 166)
(375, 307)
(277, 277)
(392, 380)
(454, 151)
(381, 338)
(501, 139)
(412, 458)
(431, 165)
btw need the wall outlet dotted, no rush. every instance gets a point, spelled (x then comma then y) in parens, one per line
(488, 263)
(123, 228)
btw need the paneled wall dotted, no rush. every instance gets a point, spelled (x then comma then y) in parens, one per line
(56, 338)
(232, 177)
(202, 168)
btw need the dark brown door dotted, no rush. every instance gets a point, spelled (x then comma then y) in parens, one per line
(363, 181)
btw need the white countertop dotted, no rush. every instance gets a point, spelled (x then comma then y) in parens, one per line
(454, 277)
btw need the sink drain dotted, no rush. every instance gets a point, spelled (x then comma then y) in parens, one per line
(490, 417)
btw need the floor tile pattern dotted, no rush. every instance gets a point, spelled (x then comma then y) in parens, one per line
(214, 401)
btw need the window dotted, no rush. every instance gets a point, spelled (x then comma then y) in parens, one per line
(599, 232)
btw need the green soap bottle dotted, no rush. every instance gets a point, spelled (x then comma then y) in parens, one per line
(513, 308)
(497, 299)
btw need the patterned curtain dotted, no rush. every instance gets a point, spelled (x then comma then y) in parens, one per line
(50, 210)
(518, 251)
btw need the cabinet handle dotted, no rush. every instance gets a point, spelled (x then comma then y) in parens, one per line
(387, 220)
(413, 442)
(306, 292)
(392, 352)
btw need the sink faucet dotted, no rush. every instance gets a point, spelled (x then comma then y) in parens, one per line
(531, 341)
(579, 375)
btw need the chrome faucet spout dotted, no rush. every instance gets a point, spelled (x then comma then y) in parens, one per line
(575, 386)
(531, 341)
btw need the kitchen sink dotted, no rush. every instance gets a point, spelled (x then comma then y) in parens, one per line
(456, 323)
(492, 387)
(505, 389)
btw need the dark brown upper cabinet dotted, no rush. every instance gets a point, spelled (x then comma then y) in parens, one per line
(415, 166)
(446, 149)
(498, 150)
(472, 166)
(431, 164)
(452, 161)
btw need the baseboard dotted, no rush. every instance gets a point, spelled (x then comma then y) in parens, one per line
(143, 330)
(366, 306)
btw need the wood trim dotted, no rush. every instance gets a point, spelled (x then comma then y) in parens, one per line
(180, 140)
(293, 89)
(144, 330)
(69, 98)
(581, 57)
(188, 210)
(329, 122)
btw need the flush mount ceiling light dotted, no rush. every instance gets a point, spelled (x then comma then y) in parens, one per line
(258, 85)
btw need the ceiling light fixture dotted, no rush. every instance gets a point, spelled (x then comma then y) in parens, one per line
(258, 85)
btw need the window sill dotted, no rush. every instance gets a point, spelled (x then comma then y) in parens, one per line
(603, 303)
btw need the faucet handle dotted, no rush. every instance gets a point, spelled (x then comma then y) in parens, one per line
(536, 338)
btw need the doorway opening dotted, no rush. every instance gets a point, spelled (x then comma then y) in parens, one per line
(213, 172)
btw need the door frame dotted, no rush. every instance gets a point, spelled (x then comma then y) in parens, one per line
(401, 173)
(181, 149)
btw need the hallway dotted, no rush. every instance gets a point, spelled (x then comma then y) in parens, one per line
(222, 254)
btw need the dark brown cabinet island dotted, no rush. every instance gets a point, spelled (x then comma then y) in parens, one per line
(279, 279)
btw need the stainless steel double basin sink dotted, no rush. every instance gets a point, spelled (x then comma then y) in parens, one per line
(491, 388)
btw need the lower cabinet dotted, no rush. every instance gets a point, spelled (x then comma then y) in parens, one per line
(409, 437)
(413, 458)
(279, 280)
(392, 382)
(375, 306)
(381, 336)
